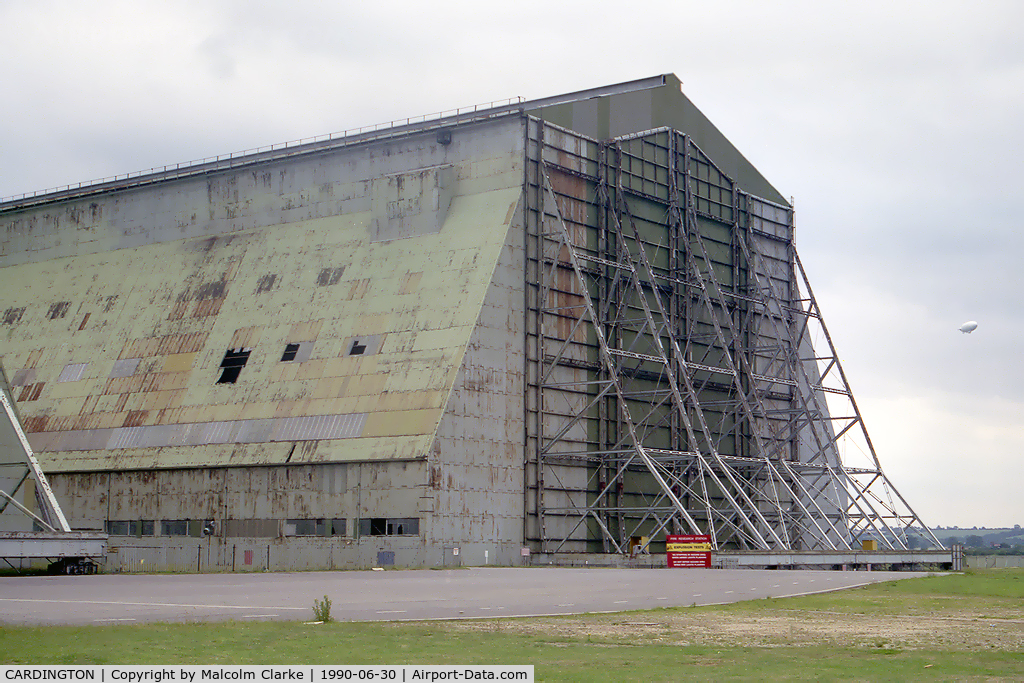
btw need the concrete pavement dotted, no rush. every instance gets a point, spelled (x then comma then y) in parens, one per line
(476, 592)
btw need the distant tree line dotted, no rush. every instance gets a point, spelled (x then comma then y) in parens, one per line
(983, 541)
(976, 545)
(980, 542)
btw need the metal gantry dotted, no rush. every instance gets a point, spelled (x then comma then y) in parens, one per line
(681, 378)
(20, 469)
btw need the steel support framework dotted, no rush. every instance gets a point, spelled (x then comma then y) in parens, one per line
(681, 377)
(18, 466)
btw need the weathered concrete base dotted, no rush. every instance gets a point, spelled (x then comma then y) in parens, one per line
(211, 554)
(839, 560)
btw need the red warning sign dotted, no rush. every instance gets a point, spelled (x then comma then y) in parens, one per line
(688, 550)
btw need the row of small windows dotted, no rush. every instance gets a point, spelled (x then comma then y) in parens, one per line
(264, 528)
(235, 359)
(231, 365)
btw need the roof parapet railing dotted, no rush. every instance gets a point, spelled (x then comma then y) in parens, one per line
(326, 137)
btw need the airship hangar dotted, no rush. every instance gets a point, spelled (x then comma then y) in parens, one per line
(528, 331)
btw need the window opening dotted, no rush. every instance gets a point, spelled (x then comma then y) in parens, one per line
(117, 528)
(234, 361)
(290, 351)
(297, 352)
(329, 276)
(407, 527)
(266, 283)
(13, 315)
(305, 527)
(58, 310)
(382, 526)
(174, 527)
(364, 345)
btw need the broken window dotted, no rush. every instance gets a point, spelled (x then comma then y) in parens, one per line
(365, 345)
(381, 526)
(297, 351)
(234, 361)
(409, 526)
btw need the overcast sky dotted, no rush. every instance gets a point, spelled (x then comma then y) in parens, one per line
(898, 127)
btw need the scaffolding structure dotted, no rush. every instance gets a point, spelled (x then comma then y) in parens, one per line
(43, 534)
(681, 378)
(19, 468)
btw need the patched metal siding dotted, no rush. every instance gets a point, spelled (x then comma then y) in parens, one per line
(227, 318)
(306, 428)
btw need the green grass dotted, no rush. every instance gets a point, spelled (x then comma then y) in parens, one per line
(594, 647)
(983, 591)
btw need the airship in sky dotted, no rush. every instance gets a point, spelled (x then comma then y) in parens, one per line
(968, 327)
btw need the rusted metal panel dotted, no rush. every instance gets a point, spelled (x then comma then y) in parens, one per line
(475, 494)
(304, 428)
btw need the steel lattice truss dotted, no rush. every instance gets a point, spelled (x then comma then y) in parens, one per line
(18, 467)
(676, 396)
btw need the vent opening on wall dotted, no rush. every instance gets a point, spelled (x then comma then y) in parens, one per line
(234, 361)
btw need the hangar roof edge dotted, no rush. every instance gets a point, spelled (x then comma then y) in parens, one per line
(322, 142)
(438, 120)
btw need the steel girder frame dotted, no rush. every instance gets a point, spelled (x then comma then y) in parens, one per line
(20, 466)
(712, 408)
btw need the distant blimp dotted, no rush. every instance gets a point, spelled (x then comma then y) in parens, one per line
(968, 327)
